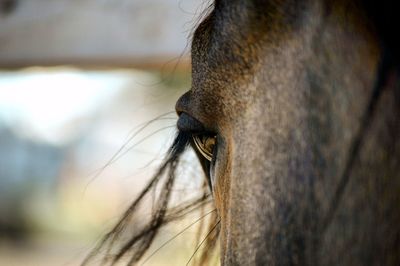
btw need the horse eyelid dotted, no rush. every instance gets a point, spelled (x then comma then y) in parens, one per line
(202, 139)
(187, 123)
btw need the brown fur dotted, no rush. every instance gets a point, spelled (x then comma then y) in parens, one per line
(286, 86)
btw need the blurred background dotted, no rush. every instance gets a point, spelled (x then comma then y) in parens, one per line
(87, 95)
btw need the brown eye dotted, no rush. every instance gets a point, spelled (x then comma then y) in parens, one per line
(205, 145)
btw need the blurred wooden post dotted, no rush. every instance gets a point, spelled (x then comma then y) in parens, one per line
(94, 33)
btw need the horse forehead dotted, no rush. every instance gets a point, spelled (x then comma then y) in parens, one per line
(227, 67)
(227, 91)
(236, 73)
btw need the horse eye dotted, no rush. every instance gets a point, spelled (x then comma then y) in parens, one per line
(205, 145)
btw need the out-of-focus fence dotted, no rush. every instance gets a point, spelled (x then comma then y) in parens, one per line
(78, 80)
(138, 33)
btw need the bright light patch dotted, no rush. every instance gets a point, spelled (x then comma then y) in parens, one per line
(40, 103)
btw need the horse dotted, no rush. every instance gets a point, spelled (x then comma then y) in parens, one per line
(294, 114)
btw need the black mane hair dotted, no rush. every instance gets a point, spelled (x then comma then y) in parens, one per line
(114, 247)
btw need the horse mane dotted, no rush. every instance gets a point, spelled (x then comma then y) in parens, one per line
(110, 246)
(116, 246)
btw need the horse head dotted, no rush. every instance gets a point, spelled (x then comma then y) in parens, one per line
(294, 113)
